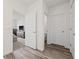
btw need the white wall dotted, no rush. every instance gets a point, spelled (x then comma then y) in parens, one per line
(72, 26)
(7, 27)
(45, 24)
(19, 11)
(18, 19)
(45, 8)
(14, 23)
(37, 7)
(14, 20)
(59, 14)
(19, 6)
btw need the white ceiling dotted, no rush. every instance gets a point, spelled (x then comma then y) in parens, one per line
(51, 3)
(29, 2)
(26, 2)
(21, 5)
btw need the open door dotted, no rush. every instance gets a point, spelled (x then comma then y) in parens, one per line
(30, 30)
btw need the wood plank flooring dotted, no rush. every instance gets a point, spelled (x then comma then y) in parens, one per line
(50, 52)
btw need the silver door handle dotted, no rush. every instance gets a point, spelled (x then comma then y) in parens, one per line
(34, 32)
(62, 31)
(73, 34)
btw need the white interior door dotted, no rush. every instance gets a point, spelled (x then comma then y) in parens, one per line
(60, 21)
(30, 30)
(60, 31)
(57, 31)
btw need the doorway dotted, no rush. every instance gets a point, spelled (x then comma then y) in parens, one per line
(18, 30)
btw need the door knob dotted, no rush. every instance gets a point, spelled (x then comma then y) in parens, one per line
(73, 34)
(62, 31)
(34, 32)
